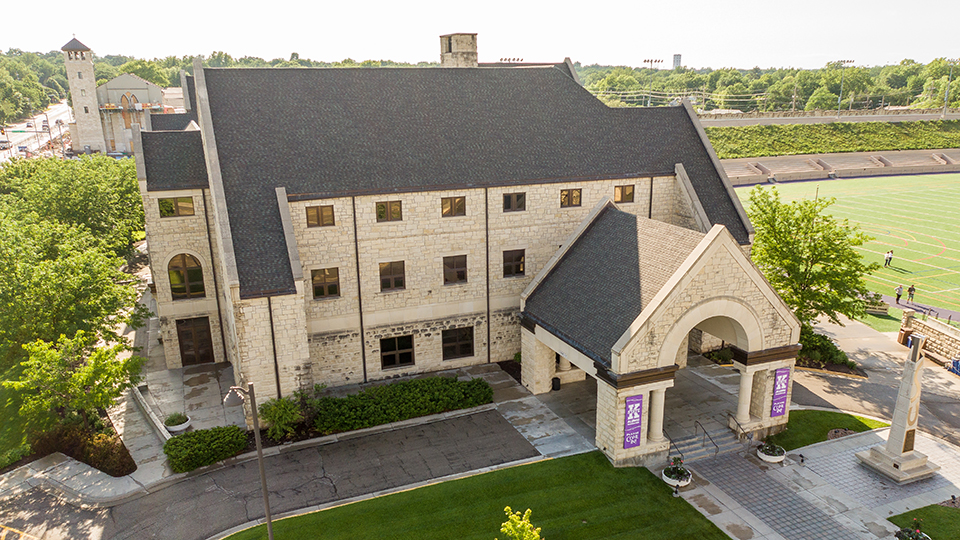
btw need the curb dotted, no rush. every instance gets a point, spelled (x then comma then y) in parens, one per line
(825, 372)
(41, 478)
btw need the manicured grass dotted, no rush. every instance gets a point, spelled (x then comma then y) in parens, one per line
(575, 497)
(13, 428)
(808, 427)
(915, 216)
(884, 323)
(939, 522)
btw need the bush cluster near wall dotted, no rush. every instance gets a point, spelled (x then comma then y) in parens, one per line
(311, 414)
(796, 139)
(818, 350)
(203, 447)
(102, 450)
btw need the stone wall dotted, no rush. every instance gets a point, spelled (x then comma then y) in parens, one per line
(86, 109)
(942, 339)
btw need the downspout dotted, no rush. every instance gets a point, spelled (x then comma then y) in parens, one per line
(206, 219)
(356, 253)
(650, 202)
(486, 224)
(273, 343)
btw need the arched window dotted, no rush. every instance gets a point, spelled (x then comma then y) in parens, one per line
(186, 277)
(128, 102)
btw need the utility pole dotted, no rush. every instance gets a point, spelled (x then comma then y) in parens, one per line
(840, 97)
(946, 94)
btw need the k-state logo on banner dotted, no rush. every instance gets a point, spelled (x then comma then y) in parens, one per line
(781, 382)
(633, 421)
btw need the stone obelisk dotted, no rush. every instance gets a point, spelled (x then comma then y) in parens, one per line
(897, 459)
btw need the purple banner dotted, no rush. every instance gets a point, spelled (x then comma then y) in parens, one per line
(632, 424)
(781, 382)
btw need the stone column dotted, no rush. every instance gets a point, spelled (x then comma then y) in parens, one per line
(743, 401)
(537, 363)
(564, 364)
(656, 414)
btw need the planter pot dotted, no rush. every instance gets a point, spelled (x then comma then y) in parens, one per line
(770, 459)
(675, 483)
(179, 428)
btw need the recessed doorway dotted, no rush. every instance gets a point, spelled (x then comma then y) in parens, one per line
(196, 344)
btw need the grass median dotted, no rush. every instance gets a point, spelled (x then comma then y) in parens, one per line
(809, 427)
(577, 497)
(938, 521)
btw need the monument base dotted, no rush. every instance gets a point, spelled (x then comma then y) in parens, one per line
(903, 469)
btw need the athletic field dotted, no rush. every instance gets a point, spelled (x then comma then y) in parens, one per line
(918, 217)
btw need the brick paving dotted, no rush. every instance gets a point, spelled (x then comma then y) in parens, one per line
(769, 500)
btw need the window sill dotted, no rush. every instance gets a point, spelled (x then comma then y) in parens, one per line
(391, 368)
(323, 298)
(454, 284)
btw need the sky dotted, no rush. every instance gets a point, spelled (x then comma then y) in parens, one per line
(741, 34)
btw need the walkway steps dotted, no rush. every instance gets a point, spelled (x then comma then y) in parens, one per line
(700, 447)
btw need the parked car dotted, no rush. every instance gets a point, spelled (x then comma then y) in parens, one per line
(29, 124)
(59, 121)
(5, 144)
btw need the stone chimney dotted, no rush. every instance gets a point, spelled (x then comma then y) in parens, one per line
(458, 50)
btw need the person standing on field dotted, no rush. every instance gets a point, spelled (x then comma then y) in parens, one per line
(886, 259)
(890, 261)
(899, 291)
(910, 292)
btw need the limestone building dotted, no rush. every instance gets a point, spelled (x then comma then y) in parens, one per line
(104, 115)
(339, 226)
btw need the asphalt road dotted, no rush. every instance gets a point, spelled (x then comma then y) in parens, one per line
(205, 505)
(34, 137)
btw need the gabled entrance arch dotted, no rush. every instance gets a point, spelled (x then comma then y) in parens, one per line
(630, 328)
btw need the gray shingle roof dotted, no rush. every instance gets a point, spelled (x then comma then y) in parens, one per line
(562, 66)
(333, 132)
(606, 278)
(74, 45)
(171, 121)
(174, 160)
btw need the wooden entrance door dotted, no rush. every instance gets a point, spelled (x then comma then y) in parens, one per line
(196, 345)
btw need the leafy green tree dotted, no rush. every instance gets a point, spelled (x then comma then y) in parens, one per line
(809, 256)
(518, 527)
(99, 193)
(148, 70)
(72, 376)
(823, 99)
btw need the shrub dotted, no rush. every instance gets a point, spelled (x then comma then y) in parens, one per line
(14, 455)
(821, 350)
(103, 451)
(175, 419)
(204, 447)
(283, 415)
(399, 401)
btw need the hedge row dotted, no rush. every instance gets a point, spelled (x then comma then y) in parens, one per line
(103, 451)
(371, 407)
(203, 447)
(794, 139)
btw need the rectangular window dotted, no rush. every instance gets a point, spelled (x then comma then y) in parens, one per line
(176, 206)
(453, 206)
(389, 211)
(79, 74)
(569, 197)
(86, 110)
(454, 269)
(623, 194)
(391, 276)
(320, 216)
(457, 343)
(326, 283)
(513, 263)
(514, 202)
(83, 92)
(396, 352)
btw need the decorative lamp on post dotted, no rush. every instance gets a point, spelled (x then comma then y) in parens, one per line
(840, 97)
(232, 399)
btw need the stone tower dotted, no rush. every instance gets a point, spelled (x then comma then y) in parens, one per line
(87, 132)
(458, 50)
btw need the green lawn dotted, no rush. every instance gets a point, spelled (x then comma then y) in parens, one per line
(939, 522)
(808, 427)
(12, 429)
(915, 216)
(884, 323)
(580, 496)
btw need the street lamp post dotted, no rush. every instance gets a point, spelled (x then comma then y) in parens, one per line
(233, 398)
(946, 94)
(840, 97)
(650, 61)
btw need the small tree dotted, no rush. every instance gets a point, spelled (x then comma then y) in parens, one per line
(808, 256)
(73, 376)
(518, 527)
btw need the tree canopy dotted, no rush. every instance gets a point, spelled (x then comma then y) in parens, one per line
(809, 256)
